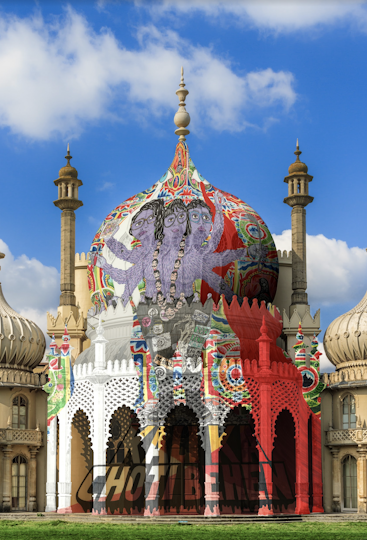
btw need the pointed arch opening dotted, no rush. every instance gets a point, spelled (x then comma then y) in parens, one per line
(81, 463)
(284, 464)
(19, 412)
(349, 417)
(349, 465)
(125, 464)
(181, 463)
(239, 465)
(19, 484)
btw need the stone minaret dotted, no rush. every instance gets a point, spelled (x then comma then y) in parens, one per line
(298, 198)
(68, 312)
(299, 310)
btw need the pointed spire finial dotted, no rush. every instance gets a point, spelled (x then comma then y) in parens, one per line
(298, 151)
(182, 117)
(68, 156)
(2, 255)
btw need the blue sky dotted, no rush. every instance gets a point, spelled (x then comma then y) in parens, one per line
(102, 76)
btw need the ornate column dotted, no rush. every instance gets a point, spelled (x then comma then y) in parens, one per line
(265, 444)
(32, 504)
(7, 451)
(99, 378)
(336, 479)
(150, 444)
(302, 483)
(51, 466)
(316, 465)
(212, 445)
(64, 484)
(362, 479)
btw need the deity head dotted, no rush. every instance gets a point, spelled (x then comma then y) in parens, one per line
(175, 220)
(147, 225)
(200, 218)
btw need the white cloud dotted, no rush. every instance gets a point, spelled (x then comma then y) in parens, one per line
(335, 272)
(56, 78)
(275, 16)
(105, 186)
(29, 287)
(336, 276)
(325, 365)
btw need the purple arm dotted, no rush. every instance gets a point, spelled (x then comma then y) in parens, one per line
(226, 257)
(218, 225)
(217, 283)
(121, 251)
(130, 278)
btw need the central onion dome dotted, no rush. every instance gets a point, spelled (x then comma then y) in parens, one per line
(179, 241)
(22, 343)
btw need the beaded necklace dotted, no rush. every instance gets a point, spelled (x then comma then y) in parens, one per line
(162, 302)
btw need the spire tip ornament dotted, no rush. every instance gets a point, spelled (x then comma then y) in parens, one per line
(297, 152)
(182, 117)
(68, 156)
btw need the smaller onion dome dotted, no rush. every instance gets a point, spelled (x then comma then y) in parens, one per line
(22, 343)
(345, 339)
(68, 170)
(298, 167)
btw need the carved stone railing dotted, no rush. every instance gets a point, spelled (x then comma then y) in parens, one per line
(30, 437)
(346, 436)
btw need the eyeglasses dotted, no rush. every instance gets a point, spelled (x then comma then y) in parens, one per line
(170, 220)
(140, 222)
(195, 217)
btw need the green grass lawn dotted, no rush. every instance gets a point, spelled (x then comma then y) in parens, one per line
(59, 529)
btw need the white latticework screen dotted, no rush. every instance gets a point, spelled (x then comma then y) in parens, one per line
(83, 399)
(118, 392)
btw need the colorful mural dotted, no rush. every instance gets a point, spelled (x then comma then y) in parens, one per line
(60, 385)
(312, 386)
(168, 254)
(196, 270)
(182, 239)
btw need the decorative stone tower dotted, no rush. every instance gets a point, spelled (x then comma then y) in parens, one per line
(68, 312)
(344, 412)
(23, 407)
(299, 310)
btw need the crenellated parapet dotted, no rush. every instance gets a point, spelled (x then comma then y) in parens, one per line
(284, 257)
(12, 377)
(354, 373)
(81, 259)
(76, 323)
(310, 326)
(115, 368)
